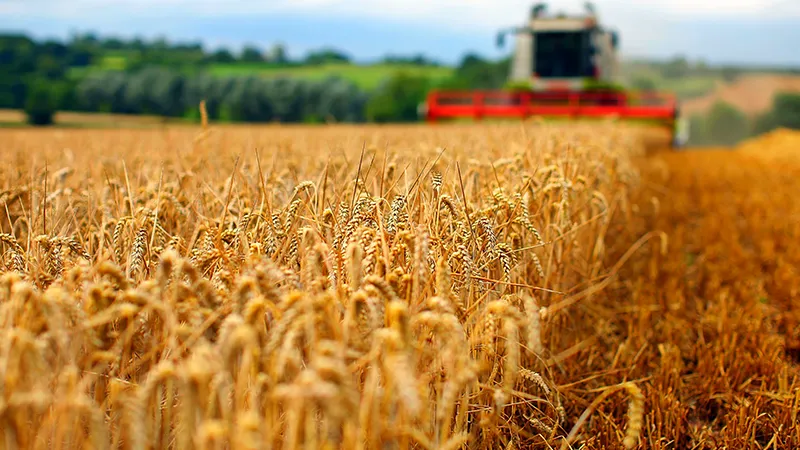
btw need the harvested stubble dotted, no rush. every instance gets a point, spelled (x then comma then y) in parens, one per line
(279, 287)
(714, 324)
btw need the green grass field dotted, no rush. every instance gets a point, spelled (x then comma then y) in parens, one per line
(365, 76)
(689, 87)
(684, 88)
(370, 76)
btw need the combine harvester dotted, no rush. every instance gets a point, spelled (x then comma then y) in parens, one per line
(562, 66)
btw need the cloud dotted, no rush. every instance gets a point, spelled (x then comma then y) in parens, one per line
(443, 28)
(640, 22)
(447, 13)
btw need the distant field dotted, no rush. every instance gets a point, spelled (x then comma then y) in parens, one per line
(14, 118)
(689, 87)
(114, 62)
(684, 88)
(751, 94)
(370, 76)
(365, 76)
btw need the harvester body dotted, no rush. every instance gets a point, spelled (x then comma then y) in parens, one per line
(563, 52)
(562, 66)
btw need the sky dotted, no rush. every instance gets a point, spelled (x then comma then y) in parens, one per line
(760, 32)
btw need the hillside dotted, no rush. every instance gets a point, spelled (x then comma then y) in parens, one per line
(751, 94)
(364, 76)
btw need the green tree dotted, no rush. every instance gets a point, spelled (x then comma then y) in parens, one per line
(730, 74)
(326, 56)
(678, 67)
(764, 123)
(41, 104)
(286, 97)
(785, 113)
(726, 125)
(248, 101)
(643, 83)
(278, 54)
(786, 108)
(698, 131)
(222, 56)
(339, 100)
(65, 95)
(475, 72)
(251, 54)
(701, 67)
(397, 99)
(416, 60)
(103, 92)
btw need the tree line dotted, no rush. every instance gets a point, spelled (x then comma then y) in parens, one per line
(681, 66)
(164, 92)
(169, 93)
(164, 79)
(724, 125)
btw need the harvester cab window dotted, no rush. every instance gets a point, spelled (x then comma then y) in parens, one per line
(559, 54)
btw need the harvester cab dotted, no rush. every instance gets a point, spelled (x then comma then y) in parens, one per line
(561, 66)
(561, 52)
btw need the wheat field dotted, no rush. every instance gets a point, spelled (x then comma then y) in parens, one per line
(361, 287)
